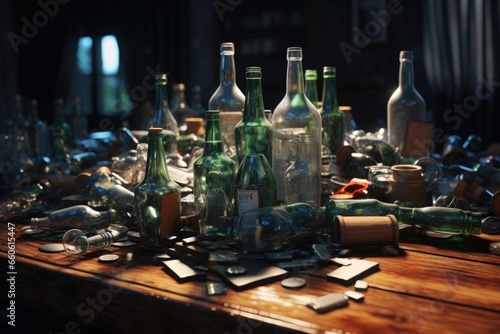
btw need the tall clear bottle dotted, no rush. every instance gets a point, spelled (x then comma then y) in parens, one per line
(406, 103)
(301, 178)
(60, 134)
(157, 199)
(181, 110)
(213, 159)
(333, 119)
(254, 133)
(295, 114)
(228, 98)
(163, 117)
(311, 86)
(80, 123)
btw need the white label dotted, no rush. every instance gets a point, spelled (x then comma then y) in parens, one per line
(247, 200)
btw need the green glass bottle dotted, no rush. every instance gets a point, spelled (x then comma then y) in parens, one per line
(253, 134)
(163, 117)
(60, 134)
(255, 184)
(157, 199)
(181, 110)
(295, 114)
(213, 159)
(278, 228)
(437, 219)
(333, 120)
(311, 86)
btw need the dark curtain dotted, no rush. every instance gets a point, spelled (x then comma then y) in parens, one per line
(152, 36)
(8, 70)
(461, 43)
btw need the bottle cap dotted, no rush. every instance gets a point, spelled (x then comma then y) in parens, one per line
(155, 130)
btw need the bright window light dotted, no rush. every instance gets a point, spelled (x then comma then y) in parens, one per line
(110, 54)
(84, 55)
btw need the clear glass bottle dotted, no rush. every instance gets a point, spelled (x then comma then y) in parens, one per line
(163, 117)
(181, 110)
(213, 159)
(255, 184)
(254, 133)
(196, 105)
(77, 216)
(217, 216)
(157, 199)
(311, 86)
(76, 242)
(333, 120)
(228, 98)
(303, 177)
(406, 103)
(278, 228)
(295, 114)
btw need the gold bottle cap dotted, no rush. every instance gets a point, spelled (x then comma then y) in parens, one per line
(155, 130)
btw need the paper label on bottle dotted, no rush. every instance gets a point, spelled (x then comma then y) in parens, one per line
(170, 214)
(247, 200)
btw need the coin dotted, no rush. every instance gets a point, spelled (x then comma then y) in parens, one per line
(293, 282)
(236, 270)
(51, 248)
(108, 257)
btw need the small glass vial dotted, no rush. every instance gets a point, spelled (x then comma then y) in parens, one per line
(76, 242)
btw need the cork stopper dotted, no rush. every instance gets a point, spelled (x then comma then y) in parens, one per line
(155, 130)
(358, 231)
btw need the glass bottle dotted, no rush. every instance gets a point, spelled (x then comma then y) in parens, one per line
(278, 228)
(61, 133)
(80, 123)
(437, 219)
(76, 242)
(77, 216)
(254, 133)
(228, 98)
(255, 184)
(213, 159)
(303, 177)
(217, 216)
(163, 117)
(406, 103)
(333, 120)
(268, 114)
(294, 114)
(311, 86)
(181, 110)
(157, 199)
(196, 105)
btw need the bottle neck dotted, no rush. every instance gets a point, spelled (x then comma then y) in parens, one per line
(406, 74)
(329, 97)
(227, 70)
(307, 150)
(254, 102)
(294, 77)
(213, 137)
(161, 105)
(156, 165)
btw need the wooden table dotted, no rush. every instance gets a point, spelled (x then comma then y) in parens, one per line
(449, 288)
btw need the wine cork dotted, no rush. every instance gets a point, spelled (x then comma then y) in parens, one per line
(366, 230)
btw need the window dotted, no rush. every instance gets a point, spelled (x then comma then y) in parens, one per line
(99, 79)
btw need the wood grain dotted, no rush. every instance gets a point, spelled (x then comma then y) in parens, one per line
(426, 289)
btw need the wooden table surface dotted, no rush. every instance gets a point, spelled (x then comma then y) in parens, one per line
(432, 286)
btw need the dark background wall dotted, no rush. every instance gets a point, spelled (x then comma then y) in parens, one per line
(183, 38)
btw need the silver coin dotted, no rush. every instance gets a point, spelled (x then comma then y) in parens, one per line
(293, 282)
(108, 257)
(30, 231)
(236, 270)
(495, 248)
(51, 248)
(124, 243)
